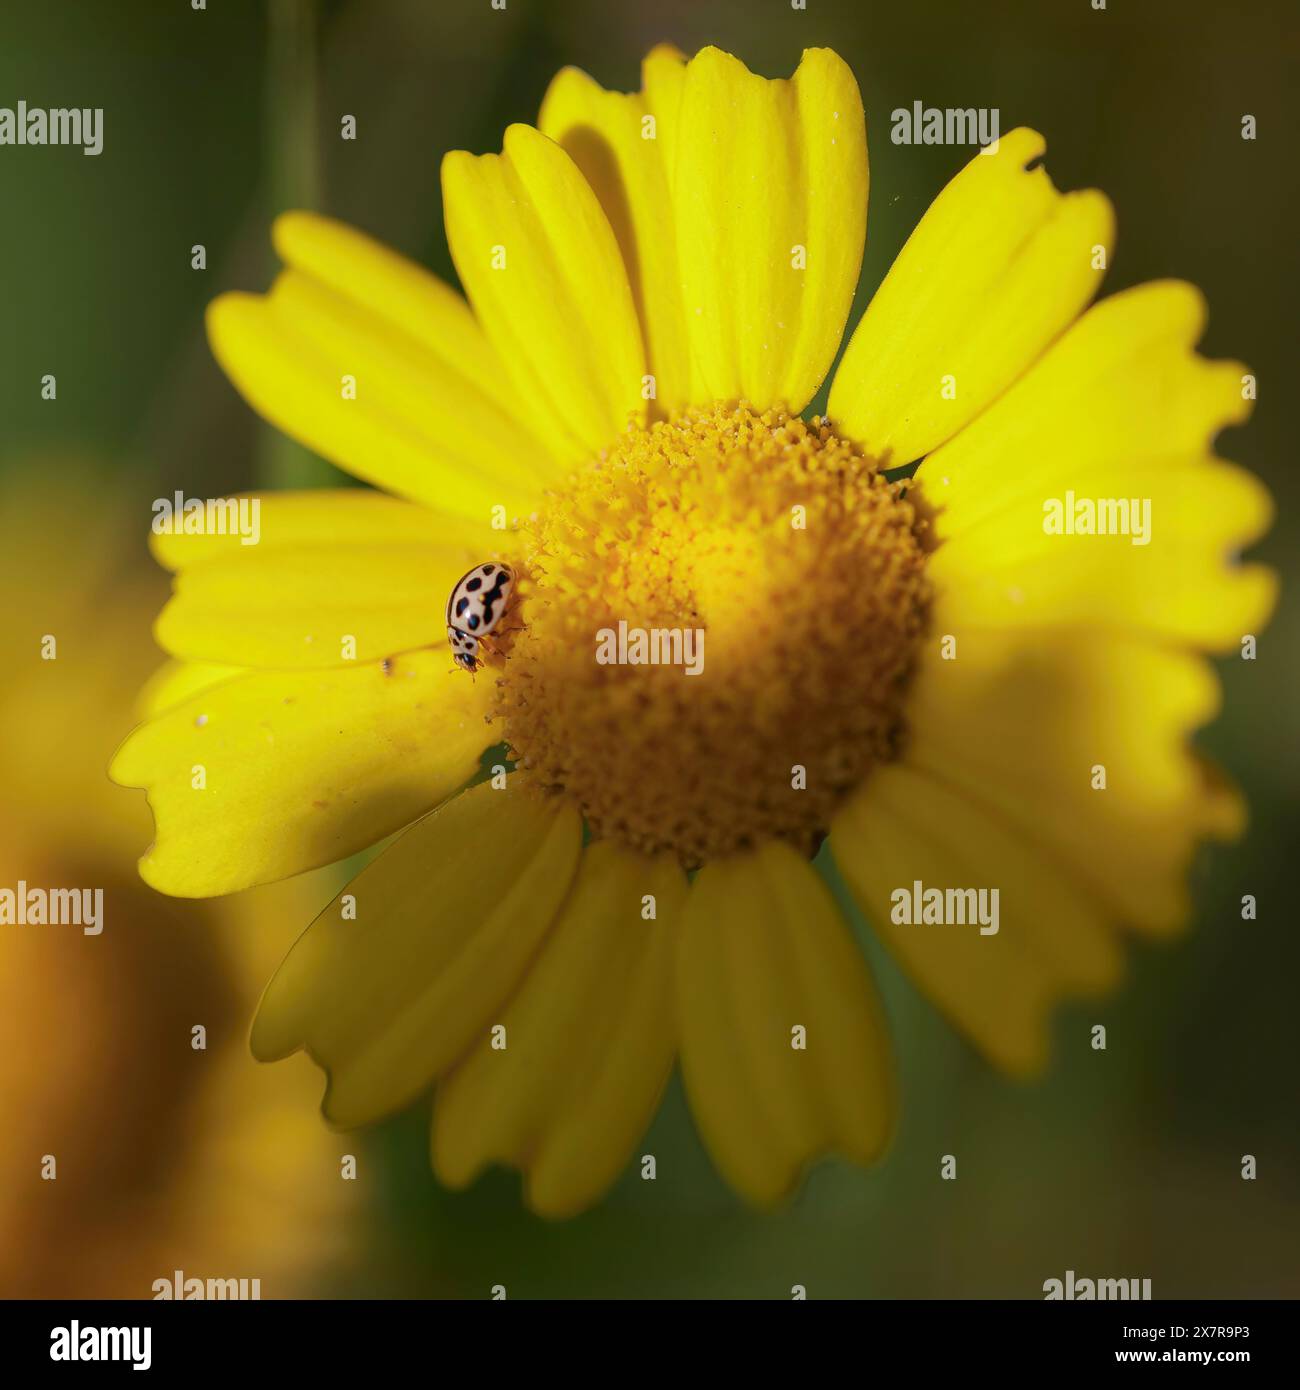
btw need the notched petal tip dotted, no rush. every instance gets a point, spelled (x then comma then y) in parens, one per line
(1023, 145)
(1000, 265)
(664, 53)
(825, 62)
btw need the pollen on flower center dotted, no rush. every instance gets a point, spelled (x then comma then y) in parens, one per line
(715, 622)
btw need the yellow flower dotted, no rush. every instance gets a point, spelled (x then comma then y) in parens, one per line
(166, 1156)
(926, 674)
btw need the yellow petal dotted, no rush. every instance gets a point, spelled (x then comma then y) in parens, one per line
(313, 606)
(324, 517)
(620, 143)
(995, 270)
(764, 952)
(770, 198)
(396, 291)
(1051, 939)
(541, 266)
(389, 399)
(446, 921)
(174, 682)
(1168, 575)
(588, 1043)
(1023, 723)
(1123, 387)
(663, 80)
(299, 768)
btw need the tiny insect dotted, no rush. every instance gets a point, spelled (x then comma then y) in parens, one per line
(476, 607)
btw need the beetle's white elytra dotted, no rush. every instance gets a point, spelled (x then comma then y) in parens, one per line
(477, 604)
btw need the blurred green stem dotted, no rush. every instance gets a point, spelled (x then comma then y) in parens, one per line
(292, 163)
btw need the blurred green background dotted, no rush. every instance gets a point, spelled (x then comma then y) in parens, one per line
(1121, 1163)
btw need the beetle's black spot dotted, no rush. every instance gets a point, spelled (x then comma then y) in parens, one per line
(473, 622)
(473, 584)
(462, 606)
(487, 569)
(495, 596)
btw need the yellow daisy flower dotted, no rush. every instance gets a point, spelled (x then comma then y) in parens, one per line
(657, 285)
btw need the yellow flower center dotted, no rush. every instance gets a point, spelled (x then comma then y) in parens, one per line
(714, 626)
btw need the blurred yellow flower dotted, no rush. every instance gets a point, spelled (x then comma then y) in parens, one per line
(959, 694)
(165, 1157)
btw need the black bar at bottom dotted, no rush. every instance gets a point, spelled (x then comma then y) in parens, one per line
(171, 1338)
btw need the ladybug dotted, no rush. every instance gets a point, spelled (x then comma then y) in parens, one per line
(476, 607)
